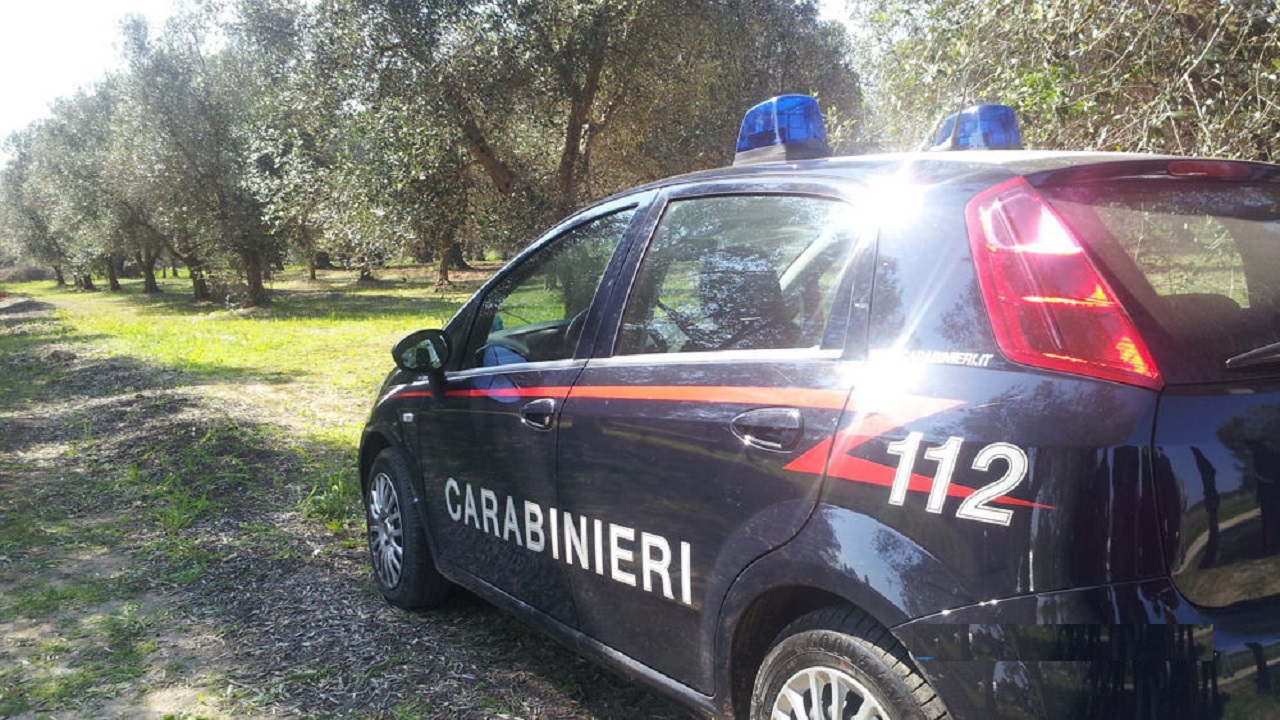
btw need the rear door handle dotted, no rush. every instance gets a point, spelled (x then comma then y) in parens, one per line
(539, 414)
(773, 429)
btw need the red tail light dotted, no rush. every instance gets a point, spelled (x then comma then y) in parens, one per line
(1049, 306)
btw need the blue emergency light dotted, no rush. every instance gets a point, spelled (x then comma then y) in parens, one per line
(981, 127)
(786, 127)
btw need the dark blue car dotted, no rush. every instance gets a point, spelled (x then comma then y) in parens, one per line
(983, 434)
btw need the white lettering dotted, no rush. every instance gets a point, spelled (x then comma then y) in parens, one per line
(655, 558)
(470, 517)
(937, 357)
(452, 491)
(686, 574)
(599, 527)
(533, 536)
(575, 539)
(617, 553)
(647, 563)
(555, 534)
(489, 508)
(511, 526)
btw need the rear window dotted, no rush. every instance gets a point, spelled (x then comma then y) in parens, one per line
(1196, 262)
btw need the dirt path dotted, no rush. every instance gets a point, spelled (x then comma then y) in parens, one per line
(114, 602)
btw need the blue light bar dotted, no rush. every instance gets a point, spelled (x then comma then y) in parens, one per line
(787, 127)
(981, 127)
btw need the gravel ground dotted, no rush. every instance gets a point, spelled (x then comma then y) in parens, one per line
(254, 611)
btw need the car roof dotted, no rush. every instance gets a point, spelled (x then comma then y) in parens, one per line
(925, 166)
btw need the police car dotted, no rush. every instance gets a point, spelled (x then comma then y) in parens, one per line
(974, 433)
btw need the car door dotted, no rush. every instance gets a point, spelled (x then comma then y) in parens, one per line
(683, 449)
(488, 443)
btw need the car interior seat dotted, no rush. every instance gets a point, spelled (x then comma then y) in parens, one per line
(742, 299)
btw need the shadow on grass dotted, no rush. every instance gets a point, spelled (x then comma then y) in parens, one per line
(250, 589)
(40, 357)
(361, 304)
(334, 308)
(29, 358)
(353, 304)
(333, 297)
(324, 299)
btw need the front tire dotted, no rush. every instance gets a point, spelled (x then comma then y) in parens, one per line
(839, 664)
(403, 565)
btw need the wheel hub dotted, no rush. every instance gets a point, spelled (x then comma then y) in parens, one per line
(386, 530)
(821, 693)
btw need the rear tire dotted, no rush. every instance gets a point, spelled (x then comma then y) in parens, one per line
(839, 664)
(403, 565)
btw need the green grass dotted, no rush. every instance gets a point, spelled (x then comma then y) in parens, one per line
(44, 600)
(196, 473)
(324, 334)
(109, 655)
(97, 655)
(22, 378)
(184, 560)
(324, 344)
(308, 366)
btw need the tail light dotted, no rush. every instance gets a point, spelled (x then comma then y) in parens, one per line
(1049, 306)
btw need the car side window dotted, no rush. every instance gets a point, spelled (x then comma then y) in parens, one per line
(748, 272)
(536, 312)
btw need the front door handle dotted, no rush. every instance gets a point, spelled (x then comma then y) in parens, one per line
(774, 429)
(539, 414)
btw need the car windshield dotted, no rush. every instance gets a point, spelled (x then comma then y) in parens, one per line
(1197, 263)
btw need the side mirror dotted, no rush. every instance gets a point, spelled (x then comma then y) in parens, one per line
(425, 351)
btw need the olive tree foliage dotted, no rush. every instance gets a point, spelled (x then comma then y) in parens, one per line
(677, 107)
(69, 180)
(25, 226)
(346, 161)
(189, 125)
(294, 104)
(1184, 76)
(58, 203)
(380, 129)
(451, 121)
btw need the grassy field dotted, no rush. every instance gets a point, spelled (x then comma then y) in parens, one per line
(331, 334)
(309, 363)
(314, 357)
(180, 529)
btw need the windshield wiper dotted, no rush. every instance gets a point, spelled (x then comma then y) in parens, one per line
(1261, 356)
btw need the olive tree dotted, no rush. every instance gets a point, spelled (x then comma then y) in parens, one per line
(1190, 77)
(190, 146)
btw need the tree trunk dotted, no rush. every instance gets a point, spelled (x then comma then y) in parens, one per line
(199, 286)
(113, 275)
(454, 259)
(446, 244)
(147, 260)
(254, 270)
(85, 283)
(195, 270)
(58, 277)
(500, 174)
(577, 126)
